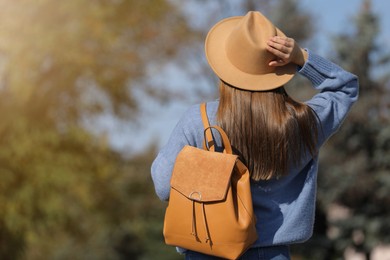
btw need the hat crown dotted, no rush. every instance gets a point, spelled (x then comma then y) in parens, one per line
(247, 42)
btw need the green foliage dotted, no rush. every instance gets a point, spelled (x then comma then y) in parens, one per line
(64, 193)
(66, 196)
(65, 52)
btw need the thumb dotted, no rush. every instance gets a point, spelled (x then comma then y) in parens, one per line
(276, 63)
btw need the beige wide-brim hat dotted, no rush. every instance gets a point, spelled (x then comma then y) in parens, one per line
(236, 51)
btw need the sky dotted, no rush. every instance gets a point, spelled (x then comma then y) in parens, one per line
(331, 17)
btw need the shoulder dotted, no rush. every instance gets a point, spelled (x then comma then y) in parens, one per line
(193, 112)
(190, 120)
(190, 123)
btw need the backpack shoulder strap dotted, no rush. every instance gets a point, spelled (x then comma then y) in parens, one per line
(206, 126)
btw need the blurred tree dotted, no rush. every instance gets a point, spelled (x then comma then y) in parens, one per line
(64, 193)
(355, 168)
(295, 22)
(65, 52)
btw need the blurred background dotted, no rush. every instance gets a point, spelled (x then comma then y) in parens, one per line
(90, 90)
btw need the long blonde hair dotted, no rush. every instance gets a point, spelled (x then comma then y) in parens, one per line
(267, 129)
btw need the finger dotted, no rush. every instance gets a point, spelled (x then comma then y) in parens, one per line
(278, 53)
(279, 46)
(290, 42)
(273, 63)
(284, 44)
(277, 62)
(285, 41)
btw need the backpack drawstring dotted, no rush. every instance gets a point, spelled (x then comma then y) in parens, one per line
(194, 231)
(205, 225)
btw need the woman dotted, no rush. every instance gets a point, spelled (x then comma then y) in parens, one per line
(276, 137)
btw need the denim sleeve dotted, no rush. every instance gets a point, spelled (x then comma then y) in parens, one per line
(162, 166)
(339, 90)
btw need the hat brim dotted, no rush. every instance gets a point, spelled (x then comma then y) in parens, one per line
(226, 71)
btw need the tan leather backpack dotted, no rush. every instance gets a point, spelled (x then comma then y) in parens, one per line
(210, 205)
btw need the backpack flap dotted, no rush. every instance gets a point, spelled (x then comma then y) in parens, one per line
(202, 175)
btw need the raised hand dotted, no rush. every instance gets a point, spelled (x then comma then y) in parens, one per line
(286, 50)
